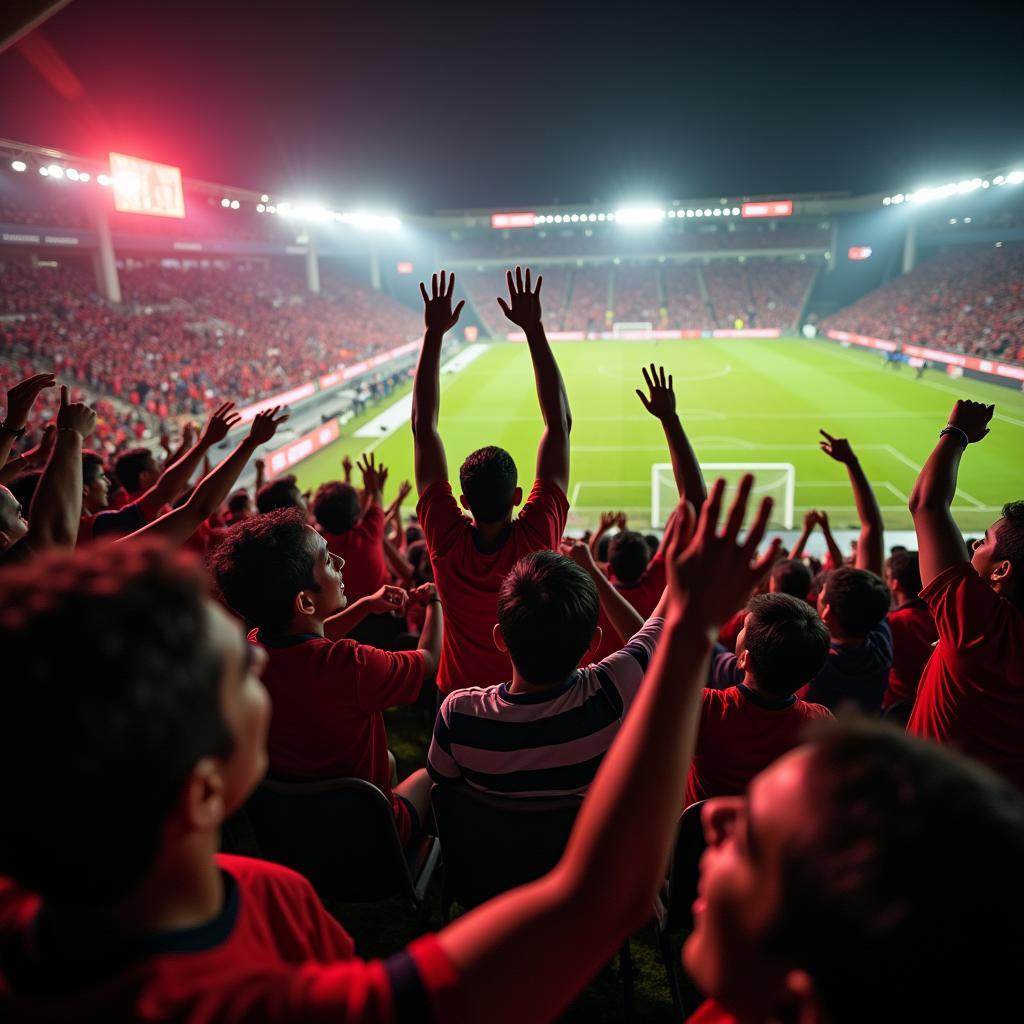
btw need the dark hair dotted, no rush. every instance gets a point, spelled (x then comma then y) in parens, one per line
(903, 901)
(413, 534)
(602, 548)
(547, 613)
(280, 493)
(905, 569)
(238, 501)
(791, 576)
(786, 642)
(419, 559)
(1010, 545)
(336, 507)
(92, 466)
(628, 556)
(653, 543)
(111, 694)
(129, 468)
(24, 488)
(261, 564)
(859, 600)
(489, 478)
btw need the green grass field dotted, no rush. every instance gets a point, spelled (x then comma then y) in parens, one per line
(741, 401)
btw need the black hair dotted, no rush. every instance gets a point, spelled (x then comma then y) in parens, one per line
(261, 564)
(413, 534)
(628, 556)
(336, 507)
(1010, 545)
(905, 569)
(92, 466)
(419, 559)
(547, 613)
(238, 502)
(111, 694)
(130, 466)
(24, 488)
(791, 576)
(280, 493)
(907, 889)
(489, 478)
(786, 642)
(858, 599)
(653, 543)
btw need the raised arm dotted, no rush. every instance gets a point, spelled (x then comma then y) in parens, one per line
(940, 543)
(871, 542)
(625, 619)
(559, 930)
(31, 461)
(20, 400)
(381, 602)
(57, 504)
(835, 552)
(174, 479)
(523, 309)
(180, 523)
(660, 402)
(433, 628)
(810, 521)
(431, 464)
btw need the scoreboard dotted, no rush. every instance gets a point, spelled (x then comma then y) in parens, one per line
(141, 186)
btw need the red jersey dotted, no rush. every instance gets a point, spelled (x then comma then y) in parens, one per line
(362, 547)
(971, 694)
(643, 595)
(328, 697)
(741, 732)
(272, 954)
(913, 636)
(468, 574)
(709, 1012)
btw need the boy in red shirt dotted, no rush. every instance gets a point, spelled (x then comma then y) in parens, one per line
(277, 573)
(971, 693)
(744, 728)
(912, 625)
(472, 557)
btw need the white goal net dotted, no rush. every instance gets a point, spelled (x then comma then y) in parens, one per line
(772, 479)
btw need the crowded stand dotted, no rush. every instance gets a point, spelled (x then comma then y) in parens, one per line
(635, 296)
(967, 299)
(684, 303)
(155, 700)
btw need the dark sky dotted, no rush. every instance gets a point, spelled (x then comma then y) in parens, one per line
(424, 106)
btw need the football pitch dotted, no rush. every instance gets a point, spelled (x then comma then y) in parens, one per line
(740, 400)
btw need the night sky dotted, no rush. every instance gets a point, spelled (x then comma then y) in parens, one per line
(425, 106)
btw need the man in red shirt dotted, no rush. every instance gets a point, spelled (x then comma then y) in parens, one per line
(329, 693)
(912, 625)
(744, 728)
(971, 694)
(472, 557)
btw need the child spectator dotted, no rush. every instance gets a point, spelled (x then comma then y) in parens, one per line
(912, 625)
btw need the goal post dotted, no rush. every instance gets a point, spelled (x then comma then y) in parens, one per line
(771, 479)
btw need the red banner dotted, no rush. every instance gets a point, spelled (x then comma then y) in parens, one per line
(773, 208)
(283, 459)
(512, 220)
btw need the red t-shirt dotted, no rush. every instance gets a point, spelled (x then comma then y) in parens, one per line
(742, 732)
(913, 635)
(643, 595)
(362, 547)
(468, 578)
(272, 954)
(731, 630)
(971, 694)
(709, 1012)
(328, 697)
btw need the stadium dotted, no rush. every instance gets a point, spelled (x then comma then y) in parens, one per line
(538, 610)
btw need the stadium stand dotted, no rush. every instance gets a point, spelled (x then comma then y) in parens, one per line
(588, 299)
(635, 297)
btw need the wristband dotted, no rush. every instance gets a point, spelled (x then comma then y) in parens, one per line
(15, 431)
(434, 600)
(960, 435)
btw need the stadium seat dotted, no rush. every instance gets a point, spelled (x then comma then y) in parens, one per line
(491, 844)
(340, 834)
(675, 913)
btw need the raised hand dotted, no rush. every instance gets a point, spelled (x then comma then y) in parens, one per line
(75, 416)
(22, 397)
(404, 490)
(346, 468)
(622, 521)
(523, 307)
(382, 476)
(188, 434)
(265, 425)
(606, 521)
(423, 594)
(823, 520)
(837, 448)
(371, 473)
(437, 307)
(219, 425)
(811, 519)
(661, 399)
(717, 571)
(38, 457)
(972, 418)
(387, 599)
(580, 553)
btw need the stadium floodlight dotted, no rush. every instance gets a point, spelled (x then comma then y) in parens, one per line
(1015, 177)
(601, 217)
(575, 218)
(558, 218)
(898, 198)
(998, 180)
(103, 179)
(225, 202)
(717, 212)
(363, 221)
(19, 165)
(707, 213)
(235, 204)
(271, 209)
(44, 171)
(72, 174)
(55, 171)
(887, 200)
(592, 217)
(698, 213)
(260, 208)
(735, 211)
(264, 198)
(84, 176)
(639, 215)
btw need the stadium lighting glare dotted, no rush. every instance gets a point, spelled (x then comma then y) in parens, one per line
(998, 180)
(72, 174)
(735, 211)
(260, 208)
(1015, 177)
(44, 172)
(887, 201)
(364, 221)
(225, 203)
(601, 217)
(235, 204)
(592, 217)
(271, 209)
(575, 218)
(84, 176)
(698, 213)
(55, 171)
(19, 165)
(264, 198)
(558, 218)
(707, 213)
(717, 212)
(639, 215)
(103, 179)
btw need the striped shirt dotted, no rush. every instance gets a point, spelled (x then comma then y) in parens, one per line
(544, 743)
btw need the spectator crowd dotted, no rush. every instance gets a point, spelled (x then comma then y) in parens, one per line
(841, 744)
